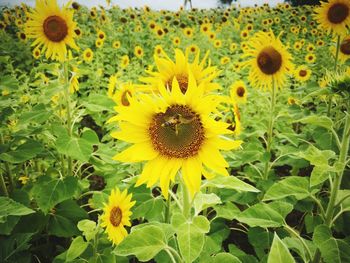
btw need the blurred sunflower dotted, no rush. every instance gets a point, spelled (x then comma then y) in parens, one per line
(269, 62)
(302, 73)
(138, 52)
(334, 16)
(52, 28)
(176, 41)
(238, 92)
(310, 58)
(101, 35)
(116, 44)
(88, 55)
(123, 94)
(193, 144)
(116, 215)
(125, 61)
(168, 70)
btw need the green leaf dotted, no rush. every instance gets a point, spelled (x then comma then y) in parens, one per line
(296, 245)
(317, 120)
(228, 210)
(76, 248)
(23, 153)
(279, 252)
(98, 103)
(332, 250)
(38, 114)
(203, 201)
(152, 209)
(50, 191)
(8, 207)
(190, 237)
(260, 239)
(230, 182)
(77, 148)
(225, 258)
(290, 186)
(16, 243)
(145, 243)
(265, 215)
(88, 227)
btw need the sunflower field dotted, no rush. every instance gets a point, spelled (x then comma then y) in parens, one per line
(135, 135)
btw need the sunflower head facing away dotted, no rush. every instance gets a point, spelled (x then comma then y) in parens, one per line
(116, 215)
(174, 132)
(269, 61)
(52, 28)
(334, 16)
(238, 92)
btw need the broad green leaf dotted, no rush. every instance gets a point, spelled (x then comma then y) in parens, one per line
(38, 114)
(77, 148)
(230, 182)
(296, 245)
(191, 236)
(145, 243)
(16, 243)
(260, 239)
(88, 227)
(225, 258)
(290, 186)
(50, 191)
(8, 207)
(203, 201)
(22, 153)
(264, 215)
(279, 252)
(228, 210)
(76, 248)
(152, 209)
(98, 103)
(317, 120)
(343, 197)
(332, 250)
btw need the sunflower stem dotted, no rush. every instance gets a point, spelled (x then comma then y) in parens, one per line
(341, 163)
(69, 120)
(7, 166)
(270, 129)
(168, 210)
(3, 185)
(335, 70)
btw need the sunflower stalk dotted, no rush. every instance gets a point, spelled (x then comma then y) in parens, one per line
(186, 200)
(7, 167)
(335, 70)
(3, 185)
(341, 163)
(270, 130)
(69, 120)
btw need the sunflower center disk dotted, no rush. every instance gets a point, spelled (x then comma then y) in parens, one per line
(269, 60)
(177, 133)
(116, 216)
(55, 28)
(338, 13)
(302, 73)
(240, 91)
(345, 47)
(124, 98)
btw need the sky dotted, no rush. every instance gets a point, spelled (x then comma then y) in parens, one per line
(154, 4)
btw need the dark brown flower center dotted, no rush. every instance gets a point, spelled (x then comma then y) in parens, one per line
(55, 28)
(182, 80)
(124, 98)
(37, 53)
(337, 13)
(269, 60)
(77, 32)
(116, 216)
(177, 133)
(23, 36)
(101, 36)
(345, 46)
(302, 73)
(240, 91)
(88, 54)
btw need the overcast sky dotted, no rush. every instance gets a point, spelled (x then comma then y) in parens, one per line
(154, 4)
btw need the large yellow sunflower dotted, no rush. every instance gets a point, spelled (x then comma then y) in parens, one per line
(167, 70)
(334, 15)
(117, 215)
(52, 28)
(269, 61)
(174, 132)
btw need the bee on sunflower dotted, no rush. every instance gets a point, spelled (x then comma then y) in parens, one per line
(52, 28)
(174, 132)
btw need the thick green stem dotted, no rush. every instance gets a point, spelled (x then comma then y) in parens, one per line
(168, 210)
(69, 120)
(337, 180)
(7, 167)
(270, 129)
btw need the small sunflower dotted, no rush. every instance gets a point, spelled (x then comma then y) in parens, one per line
(269, 61)
(101, 35)
(302, 73)
(238, 92)
(88, 55)
(176, 41)
(99, 43)
(52, 28)
(138, 52)
(334, 16)
(310, 58)
(172, 132)
(116, 215)
(116, 44)
(188, 32)
(123, 94)
(125, 61)
(217, 43)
